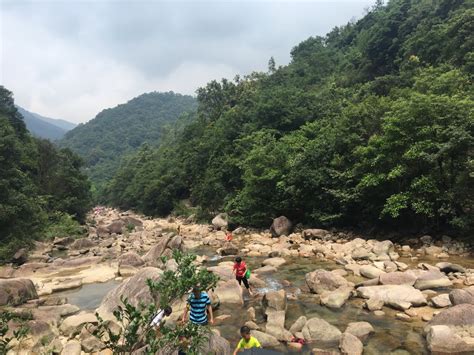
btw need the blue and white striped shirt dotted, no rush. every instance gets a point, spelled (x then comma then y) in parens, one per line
(198, 307)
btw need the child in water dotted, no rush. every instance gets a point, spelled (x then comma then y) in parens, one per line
(247, 341)
(240, 270)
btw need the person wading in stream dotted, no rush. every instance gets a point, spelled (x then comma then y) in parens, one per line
(240, 271)
(199, 305)
(247, 341)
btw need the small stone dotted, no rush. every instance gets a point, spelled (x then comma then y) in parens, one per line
(441, 301)
(403, 317)
(379, 313)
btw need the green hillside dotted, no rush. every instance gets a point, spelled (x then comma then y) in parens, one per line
(118, 131)
(370, 125)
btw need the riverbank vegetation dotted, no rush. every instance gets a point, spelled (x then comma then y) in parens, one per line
(370, 125)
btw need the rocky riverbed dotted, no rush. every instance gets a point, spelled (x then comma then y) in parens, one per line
(339, 292)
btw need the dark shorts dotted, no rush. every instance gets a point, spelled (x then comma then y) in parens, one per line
(244, 280)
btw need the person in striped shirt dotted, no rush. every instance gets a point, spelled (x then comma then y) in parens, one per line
(199, 305)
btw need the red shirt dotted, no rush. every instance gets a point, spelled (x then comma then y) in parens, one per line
(240, 268)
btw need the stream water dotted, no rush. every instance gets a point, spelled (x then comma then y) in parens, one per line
(391, 336)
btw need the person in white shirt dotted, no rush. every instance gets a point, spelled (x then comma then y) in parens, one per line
(158, 318)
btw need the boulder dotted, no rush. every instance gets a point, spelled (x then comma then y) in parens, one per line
(276, 325)
(129, 220)
(298, 325)
(73, 325)
(318, 330)
(393, 294)
(134, 289)
(266, 340)
(82, 243)
(176, 243)
(154, 254)
(320, 281)
(275, 300)
(449, 267)
(229, 249)
(130, 259)
(441, 301)
(460, 296)
(382, 248)
(360, 254)
(102, 231)
(432, 279)
(14, 292)
(281, 226)
(458, 316)
(229, 292)
(220, 221)
(374, 304)
(350, 345)
(361, 330)
(20, 256)
(443, 340)
(371, 272)
(72, 347)
(216, 344)
(315, 233)
(116, 227)
(336, 298)
(398, 278)
(275, 262)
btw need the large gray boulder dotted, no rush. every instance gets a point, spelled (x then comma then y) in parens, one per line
(281, 226)
(116, 226)
(398, 278)
(392, 294)
(320, 281)
(432, 279)
(134, 289)
(382, 248)
(229, 292)
(82, 243)
(275, 300)
(370, 271)
(130, 259)
(318, 330)
(14, 292)
(154, 254)
(266, 340)
(442, 339)
(350, 345)
(336, 298)
(461, 315)
(298, 325)
(460, 296)
(221, 221)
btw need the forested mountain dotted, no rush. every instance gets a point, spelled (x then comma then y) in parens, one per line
(40, 186)
(370, 125)
(45, 127)
(118, 131)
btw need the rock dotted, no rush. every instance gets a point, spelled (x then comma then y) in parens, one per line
(361, 330)
(275, 262)
(315, 233)
(441, 301)
(266, 340)
(134, 289)
(459, 316)
(281, 226)
(251, 314)
(426, 239)
(403, 317)
(265, 270)
(449, 267)
(371, 272)
(102, 231)
(73, 325)
(132, 221)
(350, 344)
(460, 296)
(433, 250)
(229, 249)
(275, 300)
(14, 292)
(220, 221)
(432, 279)
(276, 325)
(298, 325)
(229, 292)
(171, 265)
(92, 344)
(336, 298)
(154, 254)
(116, 227)
(215, 344)
(72, 347)
(20, 257)
(320, 281)
(130, 259)
(393, 293)
(252, 325)
(398, 278)
(443, 340)
(318, 351)
(294, 347)
(360, 254)
(82, 243)
(400, 305)
(379, 313)
(318, 330)
(374, 304)
(382, 248)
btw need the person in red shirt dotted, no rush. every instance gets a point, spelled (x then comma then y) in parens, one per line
(228, 236)
(240, 270)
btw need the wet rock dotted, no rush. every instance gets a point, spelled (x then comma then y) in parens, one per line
(318, 330)
(251, 314)
(275, 300)
(265, 270)
(432, 279)
(275, 262)
(320, 281)
(294, 347)
(281, 226)
(374, 304)
(229, 292)
(361, 330)
(460, 296)
(449, 267)
(398, 278)
(130, 259)
(403, 317)
(14, 292)
(266, 340)
(371, 272)
(441, 301)
(134, 289)
(318, 351)
(73, 325)
(72, 347)
(443, 340)
(400, 305)
(223, 271)
(336, 298)
(229, 249)
(350, 344)
(393, 293)
(220, 221)
(298, 325)
(276, 325)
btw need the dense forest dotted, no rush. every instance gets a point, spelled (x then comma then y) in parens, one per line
(370, 125)
(42, 189)
(119, 131)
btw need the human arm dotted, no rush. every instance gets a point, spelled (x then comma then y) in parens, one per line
(238, 347)
(211, 315)
(185, 313)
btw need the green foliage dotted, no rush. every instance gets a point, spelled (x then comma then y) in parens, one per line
(6, 337)
(370, 125)
(135, 332)
(60, 225)
(119, 131)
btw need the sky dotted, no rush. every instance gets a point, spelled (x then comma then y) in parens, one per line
(71, 59)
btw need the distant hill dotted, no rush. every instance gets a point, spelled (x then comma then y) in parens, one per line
(117, 131)
(45, 127)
